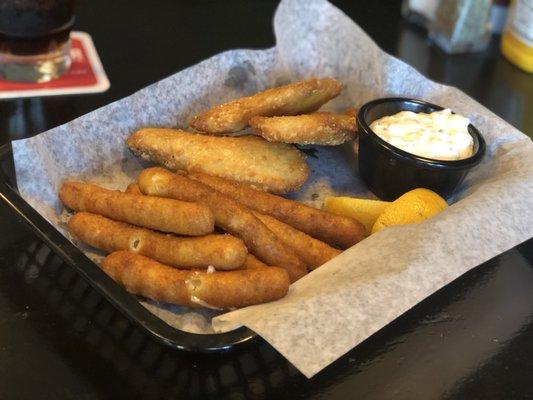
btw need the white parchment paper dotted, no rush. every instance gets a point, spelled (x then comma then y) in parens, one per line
(342, 303)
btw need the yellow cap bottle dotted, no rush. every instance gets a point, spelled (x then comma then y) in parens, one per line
(517, 39)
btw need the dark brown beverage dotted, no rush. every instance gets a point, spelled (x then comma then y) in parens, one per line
(29, 27)
(34, 38)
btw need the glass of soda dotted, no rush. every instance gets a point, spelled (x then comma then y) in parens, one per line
(35, 39)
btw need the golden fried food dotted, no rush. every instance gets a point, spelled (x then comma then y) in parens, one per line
(229, 215)
(295, 98)
(252, 262)
(320, 128)
(312, 251)
(225, 289)
(275, 167)
(133, 188)
(331, 228)
(224, 252)
(167, 215)
(351, 111)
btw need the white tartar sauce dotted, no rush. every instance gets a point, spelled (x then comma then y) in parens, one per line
(440, 135)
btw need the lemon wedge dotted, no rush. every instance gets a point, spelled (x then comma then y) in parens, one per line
(364, 210)
(412, 207)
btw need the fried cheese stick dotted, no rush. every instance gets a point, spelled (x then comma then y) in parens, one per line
(133, 188)
(319, 251)
(229, 215)
(167, 215)
(312, 251)
(226, 289)
(276, 167)
(224, 252)
(252, 262)
(295, 98)
(330, 228)
(320, 128)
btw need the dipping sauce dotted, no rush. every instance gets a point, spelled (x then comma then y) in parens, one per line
(439, 135)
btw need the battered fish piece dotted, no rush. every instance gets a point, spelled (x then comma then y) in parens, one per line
(221, 289)
(295, 98)
(274, 167)
(229, 215)
(334, 229)
(320, 128)
(166, 215)
(224, 252)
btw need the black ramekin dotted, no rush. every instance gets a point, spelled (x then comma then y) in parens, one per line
(390, 172)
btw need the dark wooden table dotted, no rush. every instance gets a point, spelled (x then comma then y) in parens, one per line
(60, 340)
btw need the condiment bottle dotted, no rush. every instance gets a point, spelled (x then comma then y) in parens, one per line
(517, 38)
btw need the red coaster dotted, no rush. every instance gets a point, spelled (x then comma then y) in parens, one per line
(86, 74)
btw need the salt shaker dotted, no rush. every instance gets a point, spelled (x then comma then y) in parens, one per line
(462, 26)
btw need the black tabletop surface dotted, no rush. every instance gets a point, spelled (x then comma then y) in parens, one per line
(59, 339)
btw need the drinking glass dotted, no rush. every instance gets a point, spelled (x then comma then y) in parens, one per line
(35, 39)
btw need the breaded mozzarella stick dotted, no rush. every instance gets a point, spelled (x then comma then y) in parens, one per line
(224, 252)
(133, 188)
(312, 251)
(330, 228)
(226, 289)
(165, 215)
(229, 215)
(252, 262)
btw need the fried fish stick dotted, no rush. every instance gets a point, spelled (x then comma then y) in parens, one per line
(133, 188)
(295, 98)
(224, 252)
(276, 167)
(312, 251)
(227, 289)
(229, 215)
(330, 228)
(321, 128)
(165, 215)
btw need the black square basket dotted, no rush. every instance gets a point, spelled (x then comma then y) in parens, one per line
(88, 270)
